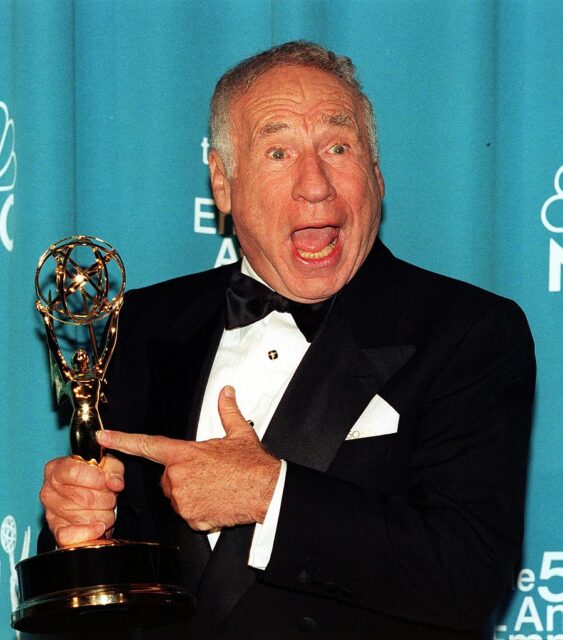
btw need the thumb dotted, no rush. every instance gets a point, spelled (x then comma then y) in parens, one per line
(232, 419)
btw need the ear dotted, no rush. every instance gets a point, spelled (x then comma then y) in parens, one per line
(220, 183)
(379, 179)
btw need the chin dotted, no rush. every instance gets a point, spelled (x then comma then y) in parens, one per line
(314, 291)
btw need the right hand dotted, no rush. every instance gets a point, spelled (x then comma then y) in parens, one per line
(79, 498)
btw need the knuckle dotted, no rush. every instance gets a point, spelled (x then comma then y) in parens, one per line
(59, 535)
(49, 469)
(172, 474)
(145, 445)
(44, 496)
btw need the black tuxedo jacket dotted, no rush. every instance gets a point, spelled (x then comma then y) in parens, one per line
(414, 534)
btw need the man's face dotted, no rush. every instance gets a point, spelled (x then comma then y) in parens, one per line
(305, 194)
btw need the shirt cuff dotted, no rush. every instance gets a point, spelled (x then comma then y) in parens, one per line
(265, 533)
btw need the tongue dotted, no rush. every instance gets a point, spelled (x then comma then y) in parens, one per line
(313, 239)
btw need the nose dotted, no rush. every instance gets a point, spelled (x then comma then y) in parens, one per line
(312, 182)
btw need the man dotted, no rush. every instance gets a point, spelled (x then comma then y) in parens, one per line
(386, 497)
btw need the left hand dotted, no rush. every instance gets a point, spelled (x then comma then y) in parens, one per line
(215, 483)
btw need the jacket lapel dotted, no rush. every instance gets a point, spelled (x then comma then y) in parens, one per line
(331, 388)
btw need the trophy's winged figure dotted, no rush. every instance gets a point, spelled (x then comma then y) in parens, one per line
(82, 383)
(81, 298)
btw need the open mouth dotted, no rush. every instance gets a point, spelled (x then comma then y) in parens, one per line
(315, 243)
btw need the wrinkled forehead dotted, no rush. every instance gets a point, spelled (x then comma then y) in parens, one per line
(297, 90)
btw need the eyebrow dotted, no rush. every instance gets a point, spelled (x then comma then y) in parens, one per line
(270, 128)
(339, 120)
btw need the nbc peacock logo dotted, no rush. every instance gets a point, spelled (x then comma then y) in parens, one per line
(8, 173)
(550, 210)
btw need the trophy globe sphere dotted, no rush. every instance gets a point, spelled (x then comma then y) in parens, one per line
(80, 280)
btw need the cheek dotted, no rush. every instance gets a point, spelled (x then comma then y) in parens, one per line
(364, 199)
(364, 215)
(260, 210)
(253, 231)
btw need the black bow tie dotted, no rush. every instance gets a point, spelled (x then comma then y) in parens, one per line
(249, 301)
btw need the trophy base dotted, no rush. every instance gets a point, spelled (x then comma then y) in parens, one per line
(101, 587)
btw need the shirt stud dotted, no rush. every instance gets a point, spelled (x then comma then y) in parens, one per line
(273, 354)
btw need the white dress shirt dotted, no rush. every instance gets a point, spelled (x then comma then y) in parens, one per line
(259, 362)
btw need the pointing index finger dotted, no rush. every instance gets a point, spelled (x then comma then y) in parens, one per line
(156, 448)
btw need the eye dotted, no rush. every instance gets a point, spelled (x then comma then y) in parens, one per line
(276, 154)
(338, 149)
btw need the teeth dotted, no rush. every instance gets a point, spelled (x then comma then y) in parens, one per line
(325, 251)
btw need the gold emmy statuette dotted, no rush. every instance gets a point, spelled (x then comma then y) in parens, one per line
(104, 584)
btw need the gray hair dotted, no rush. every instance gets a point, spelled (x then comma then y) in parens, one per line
(239, 79)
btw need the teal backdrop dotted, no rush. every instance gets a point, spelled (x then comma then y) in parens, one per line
(103, 131)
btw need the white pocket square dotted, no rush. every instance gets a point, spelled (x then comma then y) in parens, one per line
(378, 419)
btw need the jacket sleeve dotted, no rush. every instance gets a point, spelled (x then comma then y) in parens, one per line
(441, 550)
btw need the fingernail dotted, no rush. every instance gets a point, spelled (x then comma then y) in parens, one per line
(230, 392)
(102, 437)
(100, 529)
